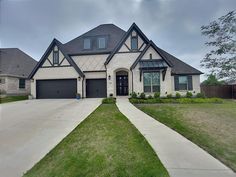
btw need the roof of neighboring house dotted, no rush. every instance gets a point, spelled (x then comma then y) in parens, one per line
(179, 67)
(111, 31)
(15, 62)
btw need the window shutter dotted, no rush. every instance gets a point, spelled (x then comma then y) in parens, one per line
(176, 78)
(190, 83)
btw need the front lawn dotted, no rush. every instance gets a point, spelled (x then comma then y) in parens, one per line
(211, 126)
(12, 98)
(104, 144)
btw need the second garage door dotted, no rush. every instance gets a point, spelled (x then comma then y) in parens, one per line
(96, 88)
(57, 88)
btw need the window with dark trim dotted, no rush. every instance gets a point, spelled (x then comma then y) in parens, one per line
(56, 57)
(151, 82)
(134, 43)
(87, 43)
(101, 42)
(2, 80)
(183, 82)
(21, 83)
(150, 56)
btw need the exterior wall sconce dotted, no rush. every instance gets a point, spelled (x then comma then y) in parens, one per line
(79, 78)
(109, 77)
(32, 80)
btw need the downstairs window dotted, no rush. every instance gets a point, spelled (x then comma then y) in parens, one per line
(21, 83)
(151, 81)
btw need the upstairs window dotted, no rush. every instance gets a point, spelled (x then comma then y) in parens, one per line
(21, 83)
(134, 43)
(56, 57)
(87, 44)
(101, 43)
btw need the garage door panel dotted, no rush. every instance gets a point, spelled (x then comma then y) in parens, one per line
(58, 88)
(96, 88)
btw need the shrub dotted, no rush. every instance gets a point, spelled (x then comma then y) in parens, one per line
(157, 95)
(189, 94)
(200, 95)
(133, 95)
(177, 95)
(142, 96)
(150, 97)
(179, 101)
(110, 100)
(169, 95)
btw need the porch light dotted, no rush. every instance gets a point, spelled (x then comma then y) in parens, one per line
(79, 78)
(109, 77)
(32, 80)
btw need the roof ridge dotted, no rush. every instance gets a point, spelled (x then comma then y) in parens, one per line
(94, 29)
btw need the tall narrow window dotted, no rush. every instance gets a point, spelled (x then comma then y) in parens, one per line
(150, 56)
(151, 81)
(56, 57)
(101, 43)
(21, 83)
(183, 83)
(87, 43)
(134, 43)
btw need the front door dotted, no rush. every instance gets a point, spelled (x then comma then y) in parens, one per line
(122, 85)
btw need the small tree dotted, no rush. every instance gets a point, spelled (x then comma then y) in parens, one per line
(221, 60)
(212, 80)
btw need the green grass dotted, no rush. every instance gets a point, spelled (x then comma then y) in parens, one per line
(211, 126)
(12, 98)
(104, 144)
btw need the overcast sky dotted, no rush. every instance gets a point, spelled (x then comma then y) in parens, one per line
(174, 25)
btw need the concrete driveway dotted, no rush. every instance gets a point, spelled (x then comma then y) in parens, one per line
(30, 129)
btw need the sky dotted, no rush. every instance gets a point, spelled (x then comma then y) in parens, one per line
(174, 25)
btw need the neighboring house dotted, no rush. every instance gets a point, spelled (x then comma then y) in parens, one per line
(108, 61)
(15, 67)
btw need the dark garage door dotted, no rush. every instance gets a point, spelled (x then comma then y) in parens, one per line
(96, 88)
(58, 88)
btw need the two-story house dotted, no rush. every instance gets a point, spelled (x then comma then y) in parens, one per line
(110, 61)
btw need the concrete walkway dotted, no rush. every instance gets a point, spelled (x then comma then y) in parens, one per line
(30, 129)
(181, 157)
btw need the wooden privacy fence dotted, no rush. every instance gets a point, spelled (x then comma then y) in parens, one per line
(220, 91)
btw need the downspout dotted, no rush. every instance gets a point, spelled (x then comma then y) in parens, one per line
(132, 81)
(83, 87)
(106, 73)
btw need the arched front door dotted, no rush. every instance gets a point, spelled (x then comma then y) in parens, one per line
(122, 84)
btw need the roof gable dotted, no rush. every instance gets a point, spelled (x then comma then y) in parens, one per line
(55, 42)
(150, 44)
(133, 27)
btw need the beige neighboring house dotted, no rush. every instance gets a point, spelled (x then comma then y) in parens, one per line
(15, 67)
(109, 61)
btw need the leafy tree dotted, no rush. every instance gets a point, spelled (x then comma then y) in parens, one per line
(212, 80)
(221, 60)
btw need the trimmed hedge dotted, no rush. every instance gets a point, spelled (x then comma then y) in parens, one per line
(174, 100)
(110, 100)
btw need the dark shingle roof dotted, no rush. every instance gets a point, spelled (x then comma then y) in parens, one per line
(113, 33)
(179, 67)
(13, 61)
